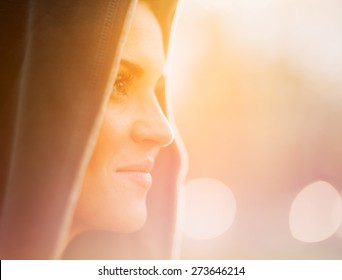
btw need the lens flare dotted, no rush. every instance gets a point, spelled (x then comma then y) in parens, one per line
(316, 212)
(210, 208)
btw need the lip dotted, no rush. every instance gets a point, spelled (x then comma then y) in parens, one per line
(139, 173)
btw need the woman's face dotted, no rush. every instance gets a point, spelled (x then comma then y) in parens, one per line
(113, 195)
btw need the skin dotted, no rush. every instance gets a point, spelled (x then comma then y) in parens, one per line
(134, 128)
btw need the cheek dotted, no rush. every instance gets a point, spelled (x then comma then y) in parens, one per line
(113, 136)
(97, 182)
(105, 201)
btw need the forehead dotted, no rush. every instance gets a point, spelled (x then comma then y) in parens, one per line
(144, 45)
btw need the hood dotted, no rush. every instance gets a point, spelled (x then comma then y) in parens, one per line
(58, 59)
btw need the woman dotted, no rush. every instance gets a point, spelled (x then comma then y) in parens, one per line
(85, 124)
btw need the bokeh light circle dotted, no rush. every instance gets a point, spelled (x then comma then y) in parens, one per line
(209, 208)
(316, 212)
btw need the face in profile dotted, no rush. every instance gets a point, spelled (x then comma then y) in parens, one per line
(134, 128)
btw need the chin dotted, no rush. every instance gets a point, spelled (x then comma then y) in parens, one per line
(108, 212)
(127, 220)
(133, 222)
(133, 227)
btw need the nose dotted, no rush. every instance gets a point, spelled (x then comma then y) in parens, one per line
(151, 125)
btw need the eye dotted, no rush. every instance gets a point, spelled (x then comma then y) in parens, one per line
(122, 84)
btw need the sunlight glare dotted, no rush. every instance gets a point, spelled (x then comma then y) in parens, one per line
(210, 208)
(316, 212)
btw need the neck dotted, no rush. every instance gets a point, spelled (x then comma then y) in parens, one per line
(73, 231)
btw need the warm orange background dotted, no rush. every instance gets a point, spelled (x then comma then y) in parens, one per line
(257, 91)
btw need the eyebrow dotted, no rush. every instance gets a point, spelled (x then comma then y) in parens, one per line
(134, 68)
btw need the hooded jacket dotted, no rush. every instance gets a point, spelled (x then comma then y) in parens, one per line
(58, 60)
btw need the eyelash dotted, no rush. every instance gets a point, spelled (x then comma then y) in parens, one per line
(121, 85)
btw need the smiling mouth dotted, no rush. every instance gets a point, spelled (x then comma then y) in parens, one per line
(139, 173)
(141, 177)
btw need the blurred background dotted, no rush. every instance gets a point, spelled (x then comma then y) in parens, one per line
(257, 94)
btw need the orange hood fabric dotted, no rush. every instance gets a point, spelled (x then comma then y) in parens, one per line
(58, 60)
